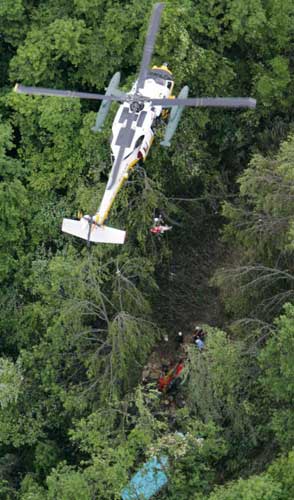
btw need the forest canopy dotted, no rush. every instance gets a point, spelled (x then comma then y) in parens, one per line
(78, 325)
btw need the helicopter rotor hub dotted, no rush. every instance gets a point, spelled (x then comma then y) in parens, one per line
(136, 106)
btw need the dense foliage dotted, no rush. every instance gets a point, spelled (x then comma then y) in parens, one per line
(77, 325)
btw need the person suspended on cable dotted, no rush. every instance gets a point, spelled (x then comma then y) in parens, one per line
(158, 219)
(159, 226)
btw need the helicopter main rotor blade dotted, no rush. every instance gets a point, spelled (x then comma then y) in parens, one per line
(149, 43)
(210, 102)
(22, 89)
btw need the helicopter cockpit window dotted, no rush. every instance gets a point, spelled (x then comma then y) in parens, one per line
(161, 81)
(156, 78)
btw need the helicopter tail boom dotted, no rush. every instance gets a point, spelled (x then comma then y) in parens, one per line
(98, 234)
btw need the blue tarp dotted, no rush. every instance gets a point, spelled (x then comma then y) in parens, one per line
(147, 481)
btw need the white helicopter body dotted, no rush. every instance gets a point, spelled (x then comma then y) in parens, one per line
(134, 134)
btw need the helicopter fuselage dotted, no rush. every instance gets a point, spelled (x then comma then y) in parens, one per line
(133, 133)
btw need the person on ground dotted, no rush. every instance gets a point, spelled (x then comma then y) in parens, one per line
(180, 337)
(200, 344)
(198, 333)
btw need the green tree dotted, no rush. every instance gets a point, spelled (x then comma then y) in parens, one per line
(222, 388)
(13, 205)
(275, 484)
(65, 483)
(259, 231)
(276, 361)
(10, 382)
(255, 488)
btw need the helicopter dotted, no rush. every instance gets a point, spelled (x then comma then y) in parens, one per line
(134, 127)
